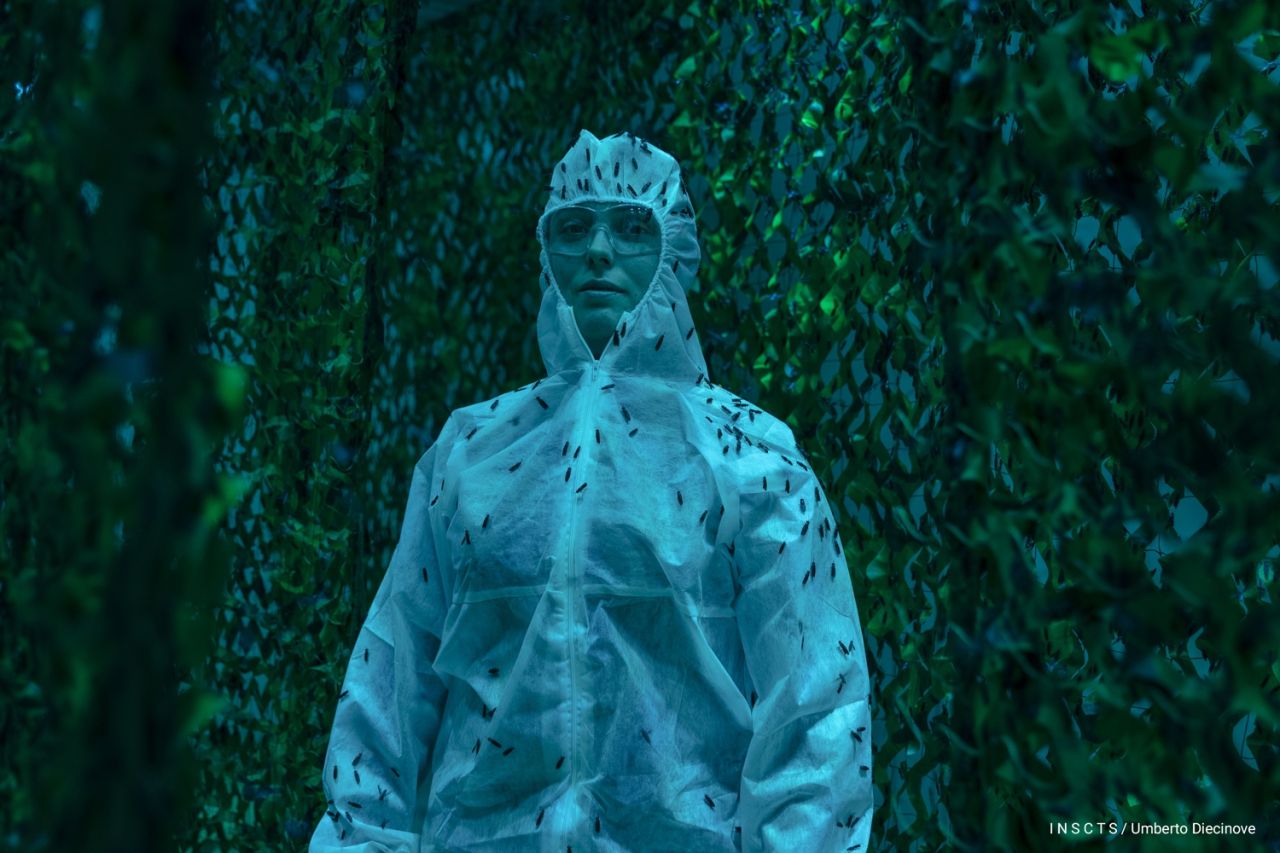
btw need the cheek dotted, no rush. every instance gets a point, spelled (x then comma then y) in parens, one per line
(562, 269)
(641, 271)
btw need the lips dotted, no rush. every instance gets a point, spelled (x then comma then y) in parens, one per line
(600, 285)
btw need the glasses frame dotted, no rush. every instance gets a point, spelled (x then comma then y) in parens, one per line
(598, 216)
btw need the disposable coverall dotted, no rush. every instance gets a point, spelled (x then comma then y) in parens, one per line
(619, 616)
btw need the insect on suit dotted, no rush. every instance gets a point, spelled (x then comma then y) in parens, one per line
(619, 616)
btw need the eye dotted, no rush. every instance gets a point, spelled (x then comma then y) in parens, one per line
(636, 224)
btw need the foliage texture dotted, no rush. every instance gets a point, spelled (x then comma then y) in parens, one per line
(1007, 269)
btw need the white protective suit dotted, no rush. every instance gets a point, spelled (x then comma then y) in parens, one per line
(619, 616)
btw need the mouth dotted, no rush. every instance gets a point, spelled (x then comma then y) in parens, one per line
(599, 285)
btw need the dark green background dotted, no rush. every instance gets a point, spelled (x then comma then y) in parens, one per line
(1007, 269)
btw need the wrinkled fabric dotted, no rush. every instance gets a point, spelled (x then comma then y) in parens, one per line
(619, 616)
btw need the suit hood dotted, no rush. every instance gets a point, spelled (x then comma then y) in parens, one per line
(656, 337)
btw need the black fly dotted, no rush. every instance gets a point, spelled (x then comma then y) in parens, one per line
(494, 742)
(679, 500)
(485, 524)
(633, 432)
(580, 488)
(710, 802)
(541, 401)
(560, 762)
(644, 733)
(473, 432)
(658, 345)
(537, 823)
(626, 416)
(597, 436)
(514, 467)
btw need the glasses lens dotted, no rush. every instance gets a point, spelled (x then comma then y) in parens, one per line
(632, 229)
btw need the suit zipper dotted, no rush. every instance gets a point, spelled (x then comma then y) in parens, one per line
(575, 581)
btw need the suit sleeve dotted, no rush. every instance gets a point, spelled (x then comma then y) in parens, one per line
(806, 781)
(389, 709)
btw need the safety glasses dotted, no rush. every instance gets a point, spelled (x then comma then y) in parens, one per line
(632, 229)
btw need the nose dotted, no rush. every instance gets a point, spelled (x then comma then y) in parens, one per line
(599, 246)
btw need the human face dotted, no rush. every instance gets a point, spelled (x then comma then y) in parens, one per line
(601, 285)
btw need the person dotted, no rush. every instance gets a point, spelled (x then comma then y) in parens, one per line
(619, 616)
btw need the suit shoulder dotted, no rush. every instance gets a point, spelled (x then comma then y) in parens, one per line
(491, 407)
(741, 413)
